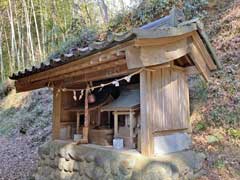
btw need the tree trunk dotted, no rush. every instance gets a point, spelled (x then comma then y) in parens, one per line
(105, 11)
(9, 53)
(13, 37)
(37, 32)
(28, 26)
(19, 39)
(42, 18)
(87, 12)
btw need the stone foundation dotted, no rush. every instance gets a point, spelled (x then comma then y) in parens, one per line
(60, 160)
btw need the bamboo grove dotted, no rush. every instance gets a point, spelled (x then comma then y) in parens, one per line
(33, 30)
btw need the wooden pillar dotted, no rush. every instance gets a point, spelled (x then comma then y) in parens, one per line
(186, 87)
(131, 118)
(84, 139)
(86, 117)
(57, 110)
(78, 122)
(115, 124)
(146, 113)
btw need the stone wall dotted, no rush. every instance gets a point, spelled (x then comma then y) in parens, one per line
(64, 161)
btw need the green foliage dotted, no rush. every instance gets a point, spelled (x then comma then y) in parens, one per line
(219, 164)
(234, 133)
(61, 24)
(201, 126)
(150, 10)
(146, 12)
(222, 114)
(199, 89)
(212, 139)
(195, 8)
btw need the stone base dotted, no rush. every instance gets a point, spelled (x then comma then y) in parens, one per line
(171, 143)
(66, 161)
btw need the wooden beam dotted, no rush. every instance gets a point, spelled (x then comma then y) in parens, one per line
(158, 67)
(133, 57)
(21, 87)
(191, 70)
(209, 61)
(176, 67)
(89, 70)
(204, 36)
(168, 132)
(146, 56)
(62, 70)
(188, 60)
(199, 62)
(99, 75)
(106, 69)
(156, 55)
(145, 42)
(166, 32)
(160, 41)
(92, 76)
(78, 64)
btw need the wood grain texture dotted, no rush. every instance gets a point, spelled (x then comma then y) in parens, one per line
(199, 61)
(146, 113)
(156, 55)
(57, 110)
(170, 106)
(164, 104)
(208, 59)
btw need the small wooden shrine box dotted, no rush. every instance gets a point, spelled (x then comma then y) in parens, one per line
(126, 111)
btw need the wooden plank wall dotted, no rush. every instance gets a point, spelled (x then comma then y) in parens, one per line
(164, 104)
(170, 100)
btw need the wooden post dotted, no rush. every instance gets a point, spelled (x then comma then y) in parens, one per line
(57, 110)
(146, 113)
(115, 124)
(99, 117)
(131, 116)
(109, 118)
(78, 122)
(86, 116)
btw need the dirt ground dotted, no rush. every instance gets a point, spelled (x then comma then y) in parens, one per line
(18, 158)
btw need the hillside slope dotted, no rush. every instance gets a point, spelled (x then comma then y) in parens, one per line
(216, 106)
(25, 123)
(25, 119)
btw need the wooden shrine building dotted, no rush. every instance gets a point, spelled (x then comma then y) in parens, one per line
(131, 86)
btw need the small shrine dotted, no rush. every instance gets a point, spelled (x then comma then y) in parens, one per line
(125, 110)
(131, 88)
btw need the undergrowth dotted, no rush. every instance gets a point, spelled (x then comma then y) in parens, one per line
(25, 113)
